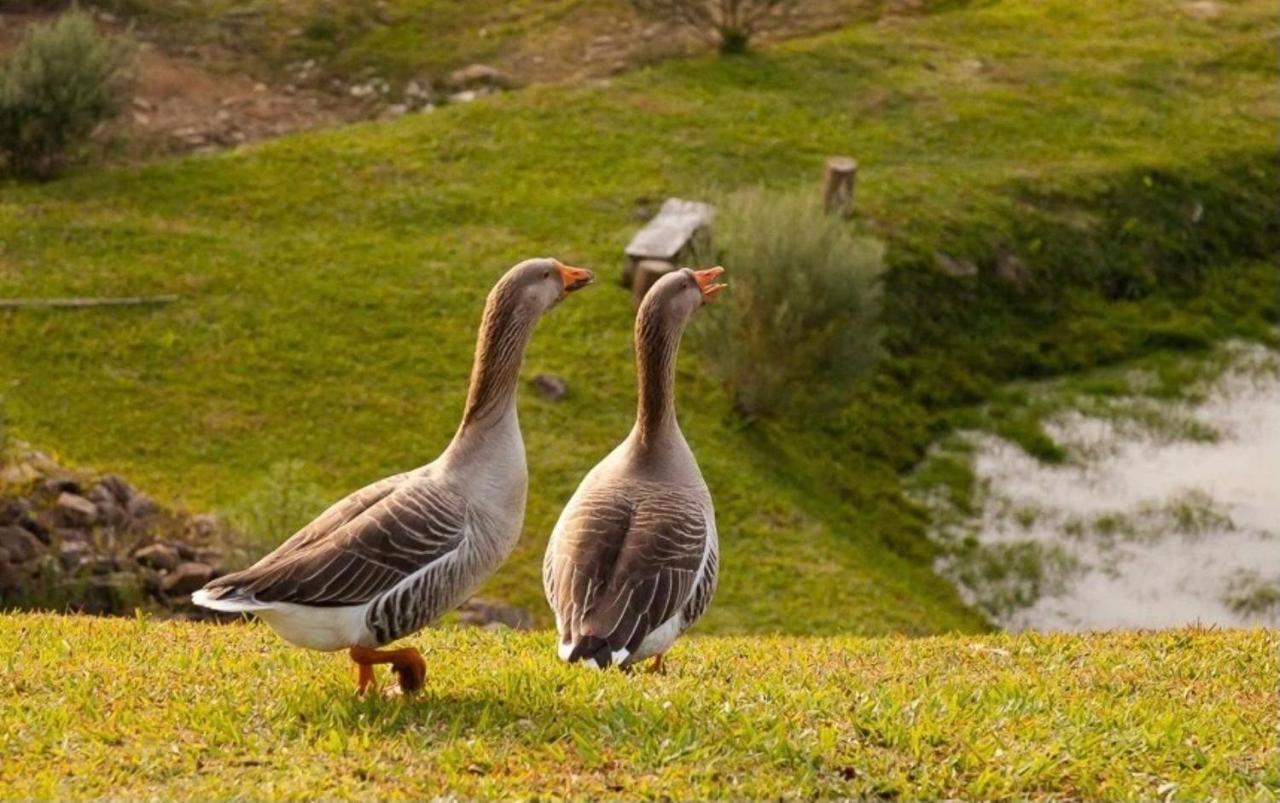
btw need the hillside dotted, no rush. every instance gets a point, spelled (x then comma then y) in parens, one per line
(331, 282)
(134, 709)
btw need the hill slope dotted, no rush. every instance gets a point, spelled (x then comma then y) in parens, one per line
(331, 282)
(135, 709)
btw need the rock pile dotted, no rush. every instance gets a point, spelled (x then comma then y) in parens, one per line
(95, 544)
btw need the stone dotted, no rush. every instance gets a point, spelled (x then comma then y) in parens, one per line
(188, 577)
(20, 545)
(103, 564)
(1010, 269)
(119, 487)
(141, 506)
(551, 387)
(960, 268)
(185, 550)
(159, 556)
(10, 579)
(114, 593)
(18, 474)
(75, 510)
(61, 483)
(478, 75)
(12, 511)
(71, 554)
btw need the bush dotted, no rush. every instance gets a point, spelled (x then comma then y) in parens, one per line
(60, 82)
(799, 317)
(729, 23)
(282, 504)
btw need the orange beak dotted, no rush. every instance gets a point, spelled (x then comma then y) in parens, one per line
(707, 282)
(573, 278)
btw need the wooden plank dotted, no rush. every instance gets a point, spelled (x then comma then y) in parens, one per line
(670, 230)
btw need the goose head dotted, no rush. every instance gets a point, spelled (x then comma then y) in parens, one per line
(674, 298)
(536, 285)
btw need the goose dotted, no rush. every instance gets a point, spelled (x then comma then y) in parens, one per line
(385, 561)
(632, 562)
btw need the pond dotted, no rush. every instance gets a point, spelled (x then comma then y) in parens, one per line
(1166, 514)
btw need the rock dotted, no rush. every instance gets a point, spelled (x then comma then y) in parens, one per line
(60, 483)
(488, 613)
(75, 510)
(550, 386)
(71, 554)
(185, 550)
(12, 511)
(1011, 269)
(20, 545)
(204, 525)
(158, 556)
(141, 506)
(10, 579)
(103, 564)
(119, 487)
(114, 593)
(951, 266)
(20, 473)
(463, 97)
(478, 75)
(188, 577)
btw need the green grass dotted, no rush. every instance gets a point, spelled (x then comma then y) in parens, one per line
(331, 282)
(424, 40)
(139, 709)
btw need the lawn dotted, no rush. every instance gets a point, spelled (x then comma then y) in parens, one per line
(331, 282)
(139, 709)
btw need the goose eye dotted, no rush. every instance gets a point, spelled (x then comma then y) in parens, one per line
(546, 274)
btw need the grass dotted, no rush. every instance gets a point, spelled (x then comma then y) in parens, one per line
(332, 281)
(134, 709)
(424, 40)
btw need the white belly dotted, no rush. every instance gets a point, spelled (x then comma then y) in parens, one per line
(324, 629)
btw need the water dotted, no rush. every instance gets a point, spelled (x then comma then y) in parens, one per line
(1140, 528)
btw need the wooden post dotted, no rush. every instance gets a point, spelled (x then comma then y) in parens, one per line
(838, 184)
(648, 271)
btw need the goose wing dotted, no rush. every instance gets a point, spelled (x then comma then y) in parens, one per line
(358, 549)
(623, 564)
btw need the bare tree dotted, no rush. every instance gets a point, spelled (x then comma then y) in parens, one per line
(730, 24)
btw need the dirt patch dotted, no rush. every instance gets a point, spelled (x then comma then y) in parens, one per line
(190, 102)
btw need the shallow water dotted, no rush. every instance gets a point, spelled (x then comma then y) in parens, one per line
(1144, 529)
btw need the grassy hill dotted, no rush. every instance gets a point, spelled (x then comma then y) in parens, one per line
(137, 709)
(331, 282)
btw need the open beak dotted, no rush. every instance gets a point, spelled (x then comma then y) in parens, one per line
(707, 282)
(573, 278)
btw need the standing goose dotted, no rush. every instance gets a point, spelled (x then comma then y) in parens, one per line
(632, 561)
(391, 557)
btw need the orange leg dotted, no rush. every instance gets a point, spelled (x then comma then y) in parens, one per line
(657, 667)
(407, 663)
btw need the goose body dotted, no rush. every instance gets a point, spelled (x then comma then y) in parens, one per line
(388, 559)
(633, 560)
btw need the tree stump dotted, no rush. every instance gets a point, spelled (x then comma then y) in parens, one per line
(647, 272)
(838, 184)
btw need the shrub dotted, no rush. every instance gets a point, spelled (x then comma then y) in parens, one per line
(60, 82)
(731, 24)
(800, 315)
(282, 504)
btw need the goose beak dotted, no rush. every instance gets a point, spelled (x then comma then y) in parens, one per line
(707, 282)
(574, 278)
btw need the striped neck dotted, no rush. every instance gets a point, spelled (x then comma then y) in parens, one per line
(504, 333)
(657, 343)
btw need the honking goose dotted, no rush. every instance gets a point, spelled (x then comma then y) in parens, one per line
(632, 562)
(391, 557)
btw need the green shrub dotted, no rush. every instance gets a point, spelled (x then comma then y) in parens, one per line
(60, 82)
(282, 504)
(800, 316)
